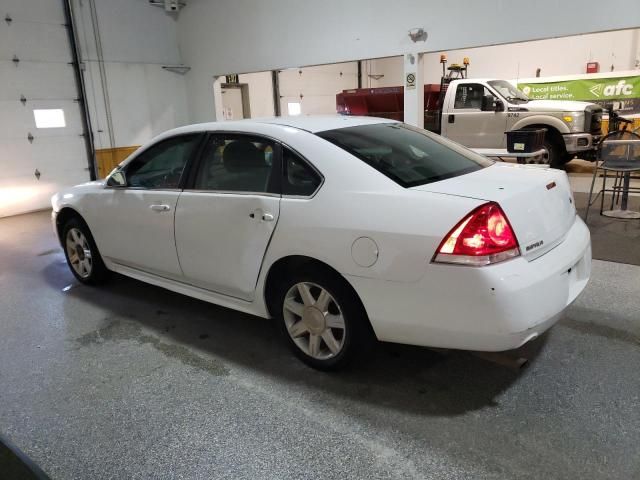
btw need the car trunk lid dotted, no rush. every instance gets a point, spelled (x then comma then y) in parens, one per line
(537, 201)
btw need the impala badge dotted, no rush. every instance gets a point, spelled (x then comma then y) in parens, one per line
(535, 245)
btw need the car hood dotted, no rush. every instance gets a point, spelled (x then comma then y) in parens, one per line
(555, 106)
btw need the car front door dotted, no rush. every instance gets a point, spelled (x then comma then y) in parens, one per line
(228, 213)
(467, 123)
(134, 224)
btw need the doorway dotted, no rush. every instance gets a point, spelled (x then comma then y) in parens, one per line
(235, 101)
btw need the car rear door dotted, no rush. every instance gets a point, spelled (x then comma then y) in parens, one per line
(226, 217)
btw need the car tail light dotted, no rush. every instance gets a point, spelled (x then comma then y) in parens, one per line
(483, 237)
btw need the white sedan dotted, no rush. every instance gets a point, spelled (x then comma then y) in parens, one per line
(343, 229)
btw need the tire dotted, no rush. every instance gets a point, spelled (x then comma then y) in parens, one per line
(322, 344)
(555, 155)
(82, 254)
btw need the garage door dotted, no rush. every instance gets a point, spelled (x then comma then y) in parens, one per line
(312, 90)
(37, 79)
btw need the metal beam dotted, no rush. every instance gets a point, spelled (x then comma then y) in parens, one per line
(82, 95)
(275, 82)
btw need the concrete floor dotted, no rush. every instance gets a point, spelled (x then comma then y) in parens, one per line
(131, 381)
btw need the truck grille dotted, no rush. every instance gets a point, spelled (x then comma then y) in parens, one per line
(593, 120)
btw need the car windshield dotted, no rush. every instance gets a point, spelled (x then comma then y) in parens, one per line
(407, 155)
(508, 91)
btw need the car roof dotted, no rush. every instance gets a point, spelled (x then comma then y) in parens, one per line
(309, 123)
(477, 80)
(321, 123)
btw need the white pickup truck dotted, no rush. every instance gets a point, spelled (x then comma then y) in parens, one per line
(478, 112)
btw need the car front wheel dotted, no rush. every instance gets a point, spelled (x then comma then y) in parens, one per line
(321, 319)
(82, 254)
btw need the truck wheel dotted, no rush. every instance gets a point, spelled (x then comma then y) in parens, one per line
(554, 155)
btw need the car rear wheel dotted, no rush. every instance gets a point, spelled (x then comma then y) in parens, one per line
(322, 320)
(82, 254)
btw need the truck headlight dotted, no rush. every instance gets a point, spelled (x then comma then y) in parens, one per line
(574, 120)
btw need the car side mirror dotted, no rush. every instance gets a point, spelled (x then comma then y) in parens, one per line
(117, 179)
(499, 107)
(488, 103)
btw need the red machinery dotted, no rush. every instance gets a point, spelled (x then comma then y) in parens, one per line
(388, 102)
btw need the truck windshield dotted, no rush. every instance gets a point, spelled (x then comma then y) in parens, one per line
(508, 91)
(407, 155)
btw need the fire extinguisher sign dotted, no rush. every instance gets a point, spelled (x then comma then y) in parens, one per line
(411, 81)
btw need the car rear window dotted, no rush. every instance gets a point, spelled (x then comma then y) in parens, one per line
(407, 155)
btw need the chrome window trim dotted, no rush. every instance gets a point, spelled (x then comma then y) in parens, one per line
(231, 192)
(143, 189)
(299, 197)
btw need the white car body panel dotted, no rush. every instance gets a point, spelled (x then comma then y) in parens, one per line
(543, 222)
(220, 247)
(493, 308)
(130, 232)
(556, 106)
(224, 258)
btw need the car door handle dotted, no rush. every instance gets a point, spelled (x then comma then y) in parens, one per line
(160, 208)
(264, 216)
(452, 118)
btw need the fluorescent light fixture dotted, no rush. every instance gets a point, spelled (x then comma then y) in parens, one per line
(294, 108)
(49, 118)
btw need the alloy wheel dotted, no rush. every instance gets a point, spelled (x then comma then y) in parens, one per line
(314, 320)
(79, 252)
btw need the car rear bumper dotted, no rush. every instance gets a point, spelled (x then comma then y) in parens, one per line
(494, 308)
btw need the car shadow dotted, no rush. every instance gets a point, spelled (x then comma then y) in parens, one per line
(405, 378)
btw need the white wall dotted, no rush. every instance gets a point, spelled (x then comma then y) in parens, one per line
(260, 93)
(391, 69)
(556, 56)
(222, 36)
(315, 88)
(137, 39)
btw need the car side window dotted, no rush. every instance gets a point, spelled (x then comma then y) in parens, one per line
(236, 163)
(161, 166)
(299, 177)
(469, 95)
